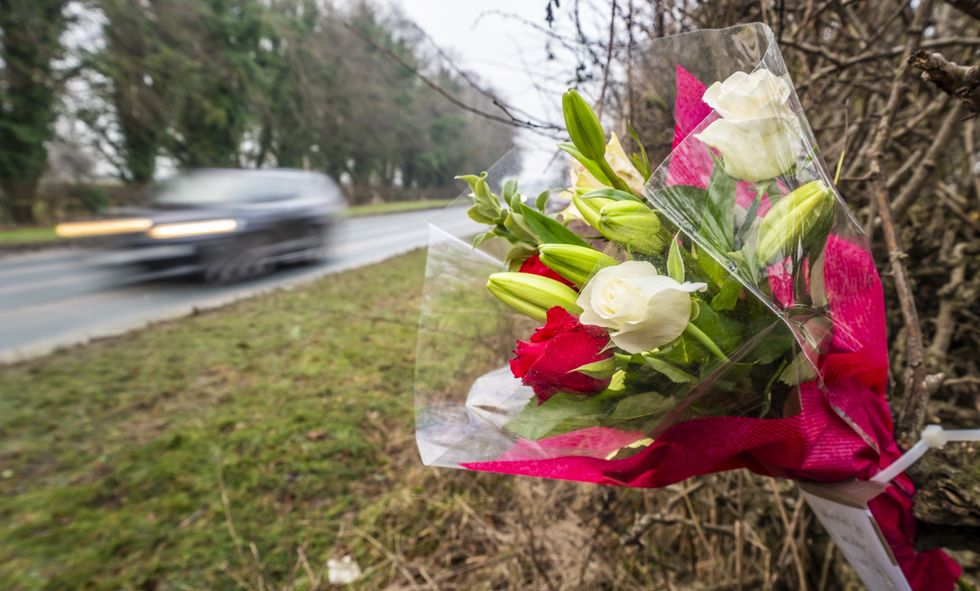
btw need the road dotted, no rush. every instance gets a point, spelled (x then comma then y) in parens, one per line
(56, 298)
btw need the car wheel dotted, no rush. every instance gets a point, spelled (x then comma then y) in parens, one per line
(320, 249)
(246, 260)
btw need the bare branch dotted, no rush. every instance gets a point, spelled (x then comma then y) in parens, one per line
(963, 82)
(540, 128)
(969, 7)
(914, 392)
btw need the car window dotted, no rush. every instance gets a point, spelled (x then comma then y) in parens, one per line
(213, 189)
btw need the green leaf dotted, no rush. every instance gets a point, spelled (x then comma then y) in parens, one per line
(641, 161)
(509, 189)
(476, 214)
(746, 264)
(718, 215)
(614, 194)
(711, 268)
(484, 198)
(481, 238)
(542, 201)
(684, 351)
(673, 373)
(731, 376)
(675, 264)
(470, 179)
(550, 230)
(683, 198)
(776, 343)
(639, 406)
(599, 369)
(591, 165)
(727, 296)
(774, 192)
(518, 226)
(561, 413)
(514, 200)
(798, 371)
(750, 215)
(724, 330)
(517, 255)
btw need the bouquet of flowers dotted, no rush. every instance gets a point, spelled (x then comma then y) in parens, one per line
(644, 325)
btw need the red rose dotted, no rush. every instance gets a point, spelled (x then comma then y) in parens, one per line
(546, 363)
(534, 266)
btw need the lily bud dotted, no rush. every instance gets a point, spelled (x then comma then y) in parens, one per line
(798, 216)
(589, 208)
(532, 295)
(575, 263)
(631, 224)
(583, 126)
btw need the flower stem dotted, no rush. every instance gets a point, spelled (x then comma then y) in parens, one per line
(617, 182)
(706, 341)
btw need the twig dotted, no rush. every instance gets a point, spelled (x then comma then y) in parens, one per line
(789, 540)
(541, 128)
(393, 558)
(609, 54)
(945, 318)
(912, 187)
(913, 408)
(969, 7)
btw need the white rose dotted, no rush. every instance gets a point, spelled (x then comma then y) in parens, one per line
(642, 309)
(755, 149)
(758, 134)
(749, 96)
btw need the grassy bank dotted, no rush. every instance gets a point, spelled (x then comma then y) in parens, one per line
(396, 207)
(30, 235)
(244, 447)
(122, 462)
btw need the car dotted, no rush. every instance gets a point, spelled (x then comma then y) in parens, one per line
(223, 224)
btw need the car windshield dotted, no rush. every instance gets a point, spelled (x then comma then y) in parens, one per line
(213, 189)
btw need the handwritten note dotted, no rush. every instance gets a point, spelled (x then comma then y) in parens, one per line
(843, 511)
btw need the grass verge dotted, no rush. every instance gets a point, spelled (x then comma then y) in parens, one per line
(242, 448)
(396, 207)
(122, 462)
(28, 235)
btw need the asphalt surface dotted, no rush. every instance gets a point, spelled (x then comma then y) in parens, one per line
(56, 298)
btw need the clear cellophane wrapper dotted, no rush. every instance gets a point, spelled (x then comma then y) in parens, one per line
(796, 305)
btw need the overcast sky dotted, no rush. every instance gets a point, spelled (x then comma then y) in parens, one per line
(488, 37)
(499, 48)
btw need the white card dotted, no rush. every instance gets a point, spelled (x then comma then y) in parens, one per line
(843, 511)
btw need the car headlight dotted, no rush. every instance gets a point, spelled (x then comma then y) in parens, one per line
(102, 227)
(186, 229)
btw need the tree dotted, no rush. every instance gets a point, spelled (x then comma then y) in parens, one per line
(217, 41)
(143, 73)
(291, 83)
(31, 41)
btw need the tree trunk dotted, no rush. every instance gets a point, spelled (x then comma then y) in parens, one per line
(947, 504)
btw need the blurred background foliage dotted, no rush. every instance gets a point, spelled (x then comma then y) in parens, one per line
(158, 85)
